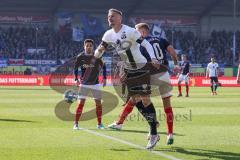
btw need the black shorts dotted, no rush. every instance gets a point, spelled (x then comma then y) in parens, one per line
(214, 79)
(138, 81)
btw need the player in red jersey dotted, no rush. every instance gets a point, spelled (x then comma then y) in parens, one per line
(89, 81)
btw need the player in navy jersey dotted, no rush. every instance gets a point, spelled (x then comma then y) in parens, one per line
(161, 48)
(89, 81)
(162, 80)
(184, 75)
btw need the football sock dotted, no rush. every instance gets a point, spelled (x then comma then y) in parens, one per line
(179, 89)
(169, 119)
(187, 89)
(78, 112)
(126, 110)
(212, 87)
(149, 114)
(215, 85)
(99, 113)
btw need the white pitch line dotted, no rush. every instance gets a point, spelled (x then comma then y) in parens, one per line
(130, 144)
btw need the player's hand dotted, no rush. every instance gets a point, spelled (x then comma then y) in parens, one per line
(177, 75)
(104, 82)
(155, 63)
(99, 51)
(77, 82)
(101, 48)
(176, 69)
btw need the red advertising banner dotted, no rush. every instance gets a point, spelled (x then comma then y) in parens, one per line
(35, 80)
(24, 80)
(203, 82)
(21, 80)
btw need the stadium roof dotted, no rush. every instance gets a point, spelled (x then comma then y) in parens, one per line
(129, 7)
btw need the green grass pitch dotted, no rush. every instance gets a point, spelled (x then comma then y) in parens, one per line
(206, 127)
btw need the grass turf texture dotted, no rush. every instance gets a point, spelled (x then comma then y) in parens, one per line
(206, 127)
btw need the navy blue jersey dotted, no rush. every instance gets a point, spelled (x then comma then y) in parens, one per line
(160, 49)
(90, 68)
(185, 66)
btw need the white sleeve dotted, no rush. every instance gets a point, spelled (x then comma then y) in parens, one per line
(149, 48)
(105, 37)
(135, 35)
(105, 40)
(208, 66)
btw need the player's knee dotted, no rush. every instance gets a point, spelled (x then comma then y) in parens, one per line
(82, 101)
(98, 102)
(146, 100)
(166, 101)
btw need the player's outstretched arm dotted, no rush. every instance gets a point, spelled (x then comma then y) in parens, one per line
(173, 54)
(100, 49)
(136, 36)
(150, 51)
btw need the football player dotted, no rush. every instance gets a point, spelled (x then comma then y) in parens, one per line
(161, 80)
(89, 81)
(127, 41)
(184, 75)
(212, 72)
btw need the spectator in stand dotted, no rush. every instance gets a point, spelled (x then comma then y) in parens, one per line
(14, 42)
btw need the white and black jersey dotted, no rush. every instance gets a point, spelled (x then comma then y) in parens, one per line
(126, 43)
(212, 69)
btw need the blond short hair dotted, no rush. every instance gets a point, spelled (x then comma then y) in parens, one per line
(142, 25)
(115, 11)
